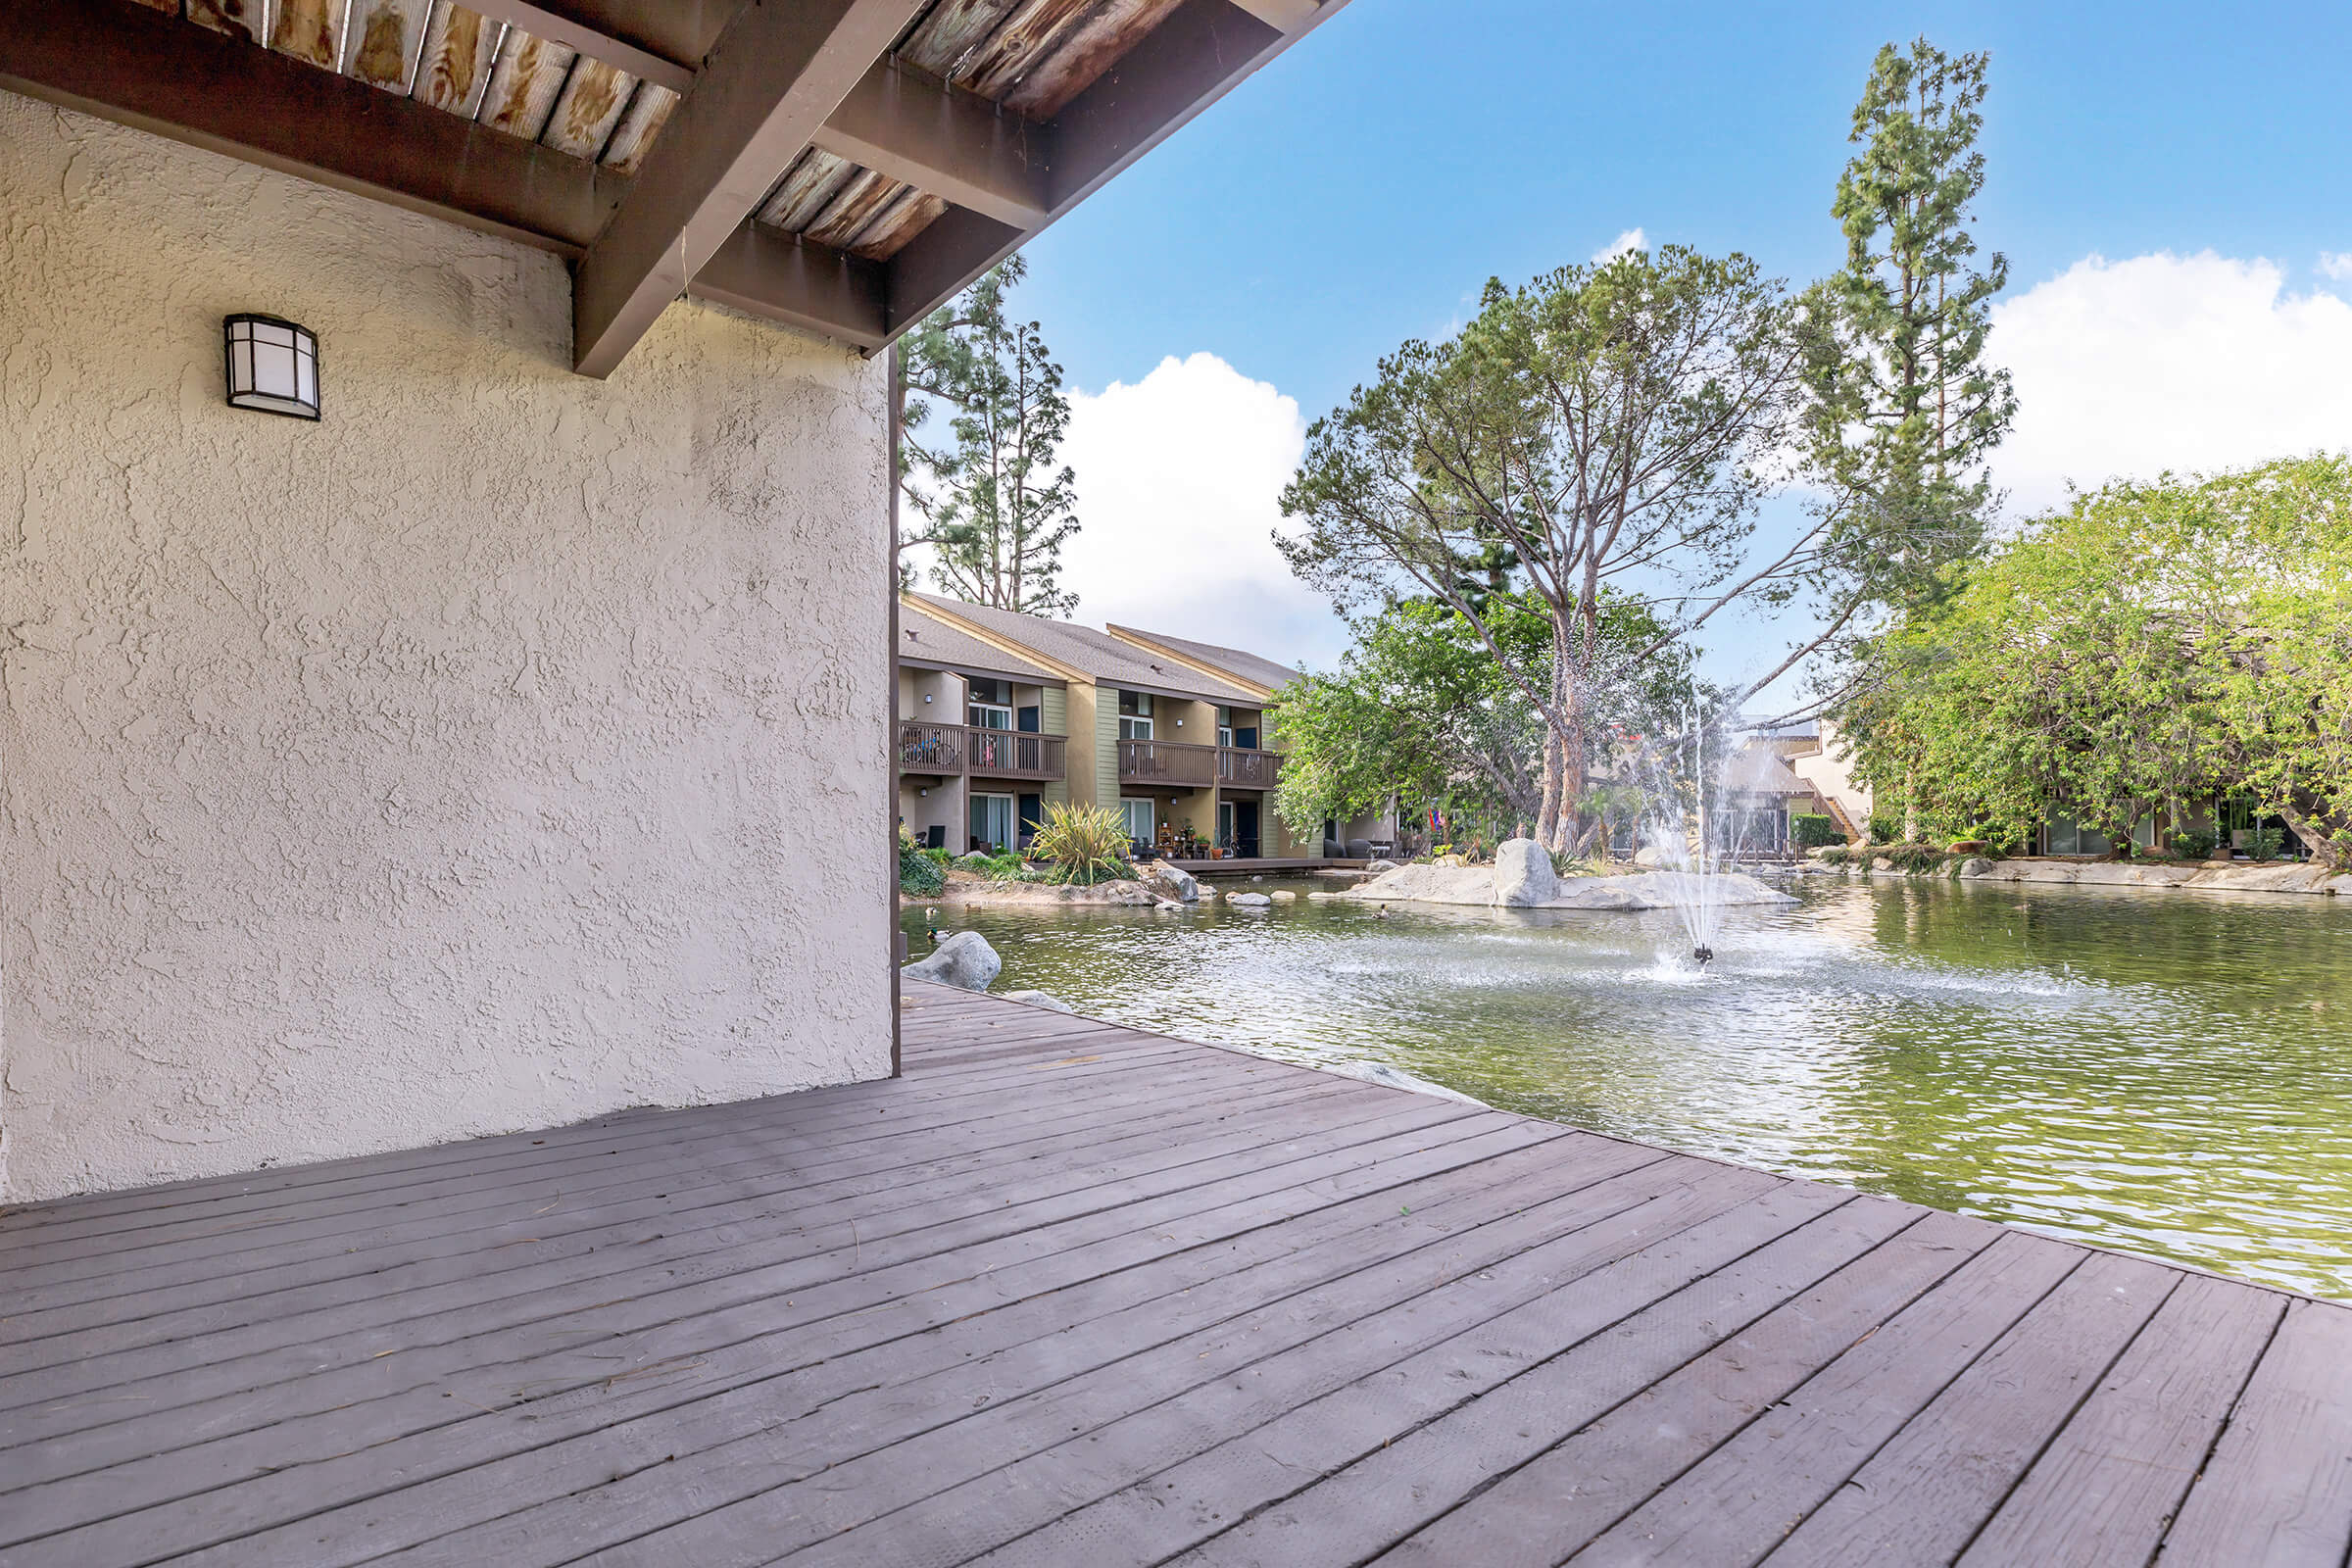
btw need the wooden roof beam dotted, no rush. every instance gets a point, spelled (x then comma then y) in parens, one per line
(785, 279)
(567, 26)
(953, 144)
(151, 70)
(1202, 50)
(1288, 16)
(776, 73)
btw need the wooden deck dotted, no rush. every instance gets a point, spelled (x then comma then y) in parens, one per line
(1068, 1294)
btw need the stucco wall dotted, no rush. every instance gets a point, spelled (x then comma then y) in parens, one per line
(506, 749)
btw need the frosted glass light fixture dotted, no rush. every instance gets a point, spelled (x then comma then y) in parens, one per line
(273, 366)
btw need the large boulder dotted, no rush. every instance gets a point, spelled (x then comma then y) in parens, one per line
(1170, 881)
(965, 961)
(1975, 865)
(1523, 874)
(1248, 900)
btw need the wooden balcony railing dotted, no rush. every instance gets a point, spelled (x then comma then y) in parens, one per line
(1168, 763)
(1012, 753)
(948, 749)
(1248, 769)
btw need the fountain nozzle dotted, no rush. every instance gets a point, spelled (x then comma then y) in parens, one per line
(1703, 953)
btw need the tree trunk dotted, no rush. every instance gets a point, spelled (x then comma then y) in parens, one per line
(1547, 812)
(2314, 833)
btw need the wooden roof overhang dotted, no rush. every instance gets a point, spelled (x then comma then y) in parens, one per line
(843, 167)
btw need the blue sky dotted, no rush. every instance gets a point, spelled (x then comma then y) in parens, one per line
(1361, 189)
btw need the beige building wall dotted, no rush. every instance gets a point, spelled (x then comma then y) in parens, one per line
(1832, 778)
(508, 748)
(1054, 718)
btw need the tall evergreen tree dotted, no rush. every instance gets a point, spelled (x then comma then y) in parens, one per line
(1908, 411)
(989, 500)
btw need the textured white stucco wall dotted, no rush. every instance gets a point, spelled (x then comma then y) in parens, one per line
(506, 749)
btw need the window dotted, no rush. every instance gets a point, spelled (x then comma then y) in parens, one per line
(1224, 726)
(988, 704)
(1135, 716)
(992, 822)
(1138, 819)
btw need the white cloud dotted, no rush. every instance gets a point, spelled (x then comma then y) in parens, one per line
(1633, 240)
(1180, 479)
(2187, 363)
(2336, 264)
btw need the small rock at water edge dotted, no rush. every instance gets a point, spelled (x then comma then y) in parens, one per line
(1170, 881)
(1249, 901)
(965, 961)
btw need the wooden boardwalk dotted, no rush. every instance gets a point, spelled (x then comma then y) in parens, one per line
(1069, 1293)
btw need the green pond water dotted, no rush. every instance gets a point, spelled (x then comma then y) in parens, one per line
(2167, 1073)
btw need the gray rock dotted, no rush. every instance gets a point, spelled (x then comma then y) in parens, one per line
(1170, 881)
(1249, 901)
(1378, 867)
(1168, 906)
(1975, 865)
(1523, 874)
(1283, 896)
(1880, 863)
(1038, 999)
(965, 961)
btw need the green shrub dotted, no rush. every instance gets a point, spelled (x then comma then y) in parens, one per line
(1811, 831)
(918, 874)
(1916, 860)
(2263, 843)
(1087, 845)
(1835, 855)
(2195, 845)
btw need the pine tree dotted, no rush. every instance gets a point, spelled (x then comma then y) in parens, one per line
(992, 506)
(1907, 410)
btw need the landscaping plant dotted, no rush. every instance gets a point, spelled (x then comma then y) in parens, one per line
(918, 874)
(1812, 830)
(1086, 845)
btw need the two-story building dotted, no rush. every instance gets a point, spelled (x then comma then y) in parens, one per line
(1175, 734)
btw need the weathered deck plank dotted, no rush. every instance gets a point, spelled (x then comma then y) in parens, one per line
(1068, 1293)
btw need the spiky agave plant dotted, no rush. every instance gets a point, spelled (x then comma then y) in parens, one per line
(1087, 845)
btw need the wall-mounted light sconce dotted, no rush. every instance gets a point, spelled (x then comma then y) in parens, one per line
(273, 366)
(924, 793)
(926, 697)
(1180, 723)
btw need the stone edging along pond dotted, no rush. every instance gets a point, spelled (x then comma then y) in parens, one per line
(2288, 877)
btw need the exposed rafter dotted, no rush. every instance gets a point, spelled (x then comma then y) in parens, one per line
(150, 70)
(1201, 52)
(563, 24)
(770, 81)
(759, 81)
(953, 144)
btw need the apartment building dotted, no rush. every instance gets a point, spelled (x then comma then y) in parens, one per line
(1002, 713)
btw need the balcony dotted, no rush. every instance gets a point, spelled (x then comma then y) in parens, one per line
(1242, 769)
(946, 751)
(1170, 763)
(1182, 766)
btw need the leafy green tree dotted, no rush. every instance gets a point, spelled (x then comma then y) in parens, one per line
(1421, 711)
(2150, 647)
(1604, 431)
(992, 507)
(1906, 410)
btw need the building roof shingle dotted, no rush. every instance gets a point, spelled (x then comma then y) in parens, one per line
(1239, 661)
(1096, 655)
(932, 644)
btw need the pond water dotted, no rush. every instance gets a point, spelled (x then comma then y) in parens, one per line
(2167, 1073)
